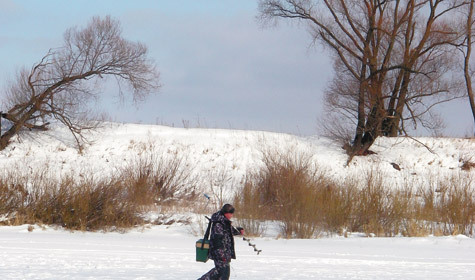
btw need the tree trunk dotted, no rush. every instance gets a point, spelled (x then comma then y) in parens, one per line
(466, 68)
(388, 122)
(5, 138)
(372, 130)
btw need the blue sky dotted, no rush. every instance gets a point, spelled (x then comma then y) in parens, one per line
(218, 67)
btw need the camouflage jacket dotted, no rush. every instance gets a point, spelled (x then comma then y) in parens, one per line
(221, 240)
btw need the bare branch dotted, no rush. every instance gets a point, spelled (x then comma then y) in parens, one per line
(62, 84)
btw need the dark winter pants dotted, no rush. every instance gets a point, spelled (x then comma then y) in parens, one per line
(221, 271)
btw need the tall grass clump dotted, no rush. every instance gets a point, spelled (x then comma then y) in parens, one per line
(156, 177)
(87, 203)
(378, 207)
(290, 189)
(449, 205)
(285, 190)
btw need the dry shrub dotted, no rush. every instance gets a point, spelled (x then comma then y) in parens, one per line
(284, 190)
(250, 210)
(379, 209)
(12, 194)
(371, 202)
(289, 189)
(94, 204)
(456, 205)
(157, 180)
(335, 205)
(83, 205)
(447, 206)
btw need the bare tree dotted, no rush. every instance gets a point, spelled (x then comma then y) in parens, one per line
(61, 85)
(392, 59)
(467, 52)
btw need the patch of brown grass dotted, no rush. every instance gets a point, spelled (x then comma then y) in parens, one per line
(89, 204)
(290, 190)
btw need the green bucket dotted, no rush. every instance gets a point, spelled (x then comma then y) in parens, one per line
(202, 253)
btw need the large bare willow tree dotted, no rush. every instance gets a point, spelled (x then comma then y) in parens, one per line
(393, 59)
(63, 83)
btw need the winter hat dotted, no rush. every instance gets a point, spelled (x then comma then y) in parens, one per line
(227, 208)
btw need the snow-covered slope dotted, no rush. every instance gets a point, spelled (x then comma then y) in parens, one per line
(229, 152)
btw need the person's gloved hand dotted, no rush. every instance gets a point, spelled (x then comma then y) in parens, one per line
(241, 230)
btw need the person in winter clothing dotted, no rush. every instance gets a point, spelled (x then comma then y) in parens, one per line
(221, 243)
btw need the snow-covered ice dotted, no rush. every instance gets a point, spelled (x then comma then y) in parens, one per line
(168, 253)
